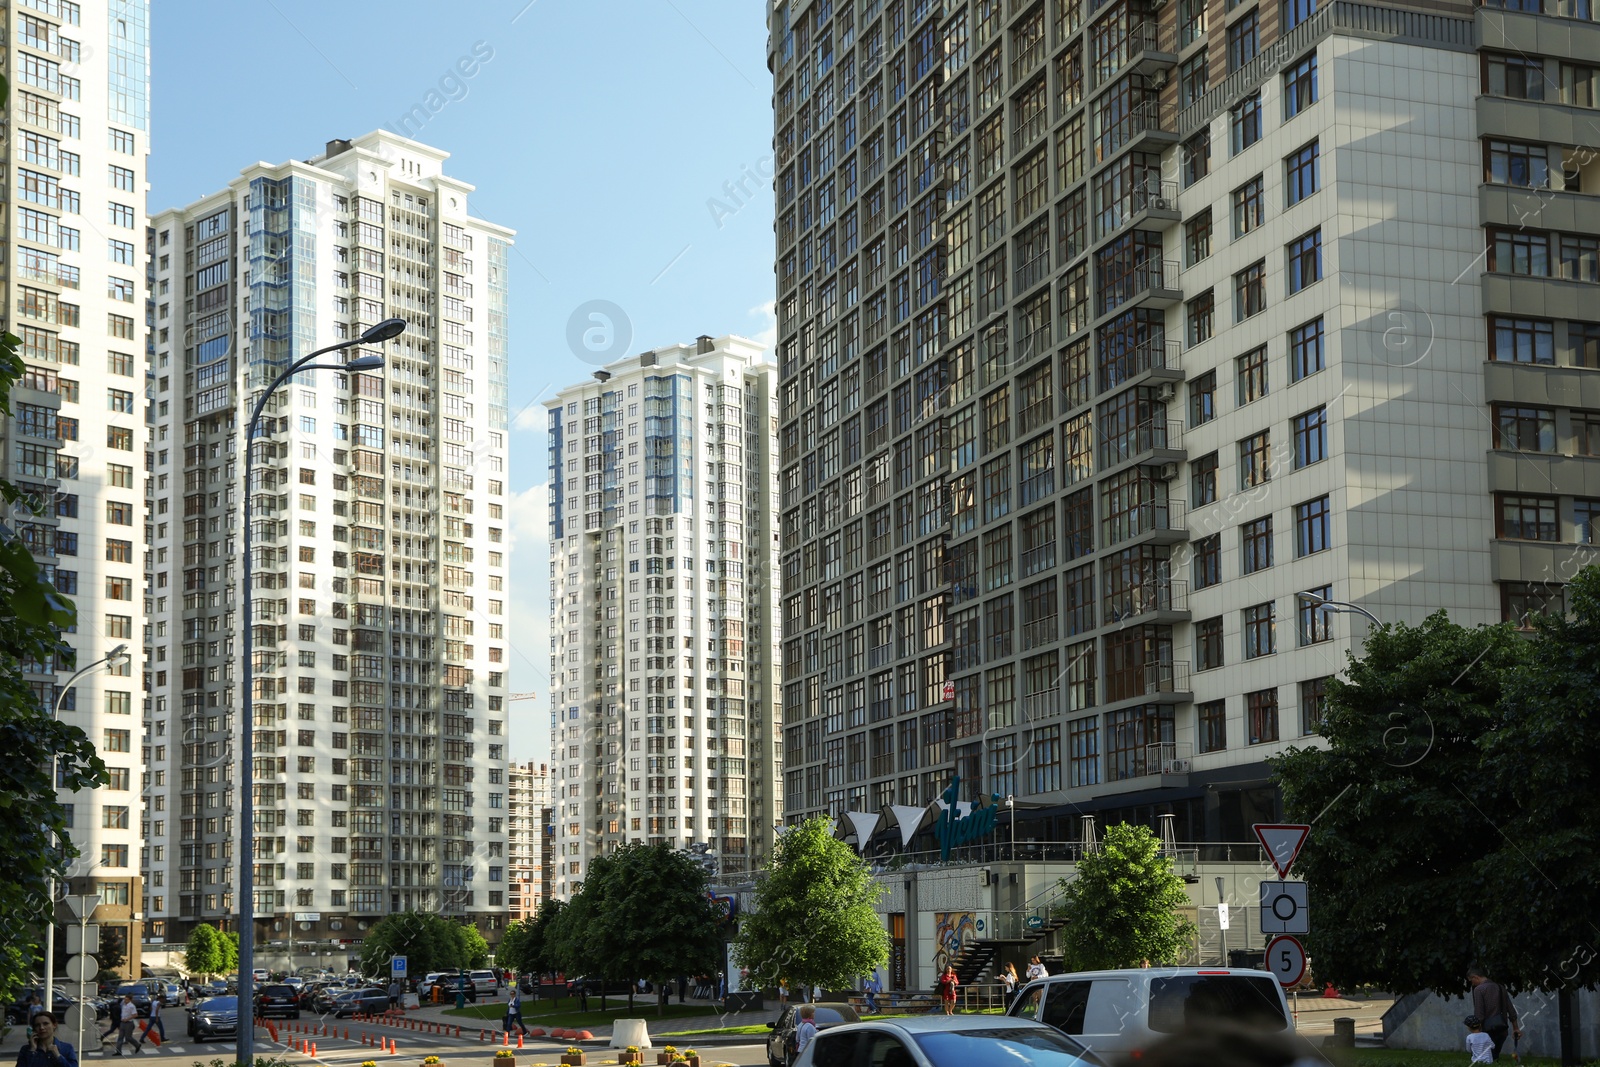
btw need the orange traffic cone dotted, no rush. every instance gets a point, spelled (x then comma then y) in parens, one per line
(519, 1040)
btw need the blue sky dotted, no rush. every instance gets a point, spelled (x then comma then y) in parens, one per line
(601, 130)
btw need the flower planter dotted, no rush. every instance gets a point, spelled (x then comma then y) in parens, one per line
(505, 1061)
(630, 1057)
(569, 1060)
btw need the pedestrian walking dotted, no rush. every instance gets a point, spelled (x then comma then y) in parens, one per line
(683, 987)
(783, 992)
(43, 1048)
(35, 1006)
(1491, 1003)
(153, 1023)
(1479, 1044)
(128, 1018)
(394, 992)
(948, 983)
(1008, 980)
(806, 1030)
(1036, 969)
(514, 1011)
(872, 987)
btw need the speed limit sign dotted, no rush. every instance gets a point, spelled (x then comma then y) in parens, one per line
(1286, 959)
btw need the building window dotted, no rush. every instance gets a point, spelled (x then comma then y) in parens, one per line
(1526, 518)
(1314, 622)
(1305, 349)
(1202, 317)
(1244, 41)
(1250, 374)
(1300, 86)
(1208, 644)
(1524, 429)
(1584, 340)
(1305, 260)
(1301, 173)
(1258, 627)
(1244, 123)
(1248, 206)
(1207, 561)
(1196, 158)
(1044, 770)
(1261, 710)
(1586, 432)
(1255, 460)
(1513, 340)
(1203, 480)
(1192, 79)
(1313, 704)
(1197, 238)
(1294, 13)
(1250, 291)
(1521, 601)
(1203, 399)
(1586, 513)
(1255, 545)
(1212, 719)
(1310, 437)
(1311, 526)
(1084, 737)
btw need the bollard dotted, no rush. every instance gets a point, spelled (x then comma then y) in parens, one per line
(313, 1049)
(519, 1040)
(1344, 1033)
(480, 1035)
(347, 1033)
(458, 1031)
(505, 1038)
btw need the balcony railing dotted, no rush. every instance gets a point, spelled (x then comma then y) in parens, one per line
(1145, 437)
(1157, 594)
(1147, 276)
(1157, 353)
(1152, 516)
(1146, 117)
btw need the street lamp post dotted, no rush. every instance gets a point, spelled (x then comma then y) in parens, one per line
(1341, 607)
(112, 658)
(383, 331)
(1011, 822)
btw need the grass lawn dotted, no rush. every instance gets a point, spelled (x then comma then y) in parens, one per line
(548, 1015)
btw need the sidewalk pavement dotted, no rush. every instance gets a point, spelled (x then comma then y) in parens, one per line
(644, 1008)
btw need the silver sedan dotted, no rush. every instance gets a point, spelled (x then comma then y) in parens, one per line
(945, 1041)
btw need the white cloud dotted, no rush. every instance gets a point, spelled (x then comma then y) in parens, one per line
(767, 336)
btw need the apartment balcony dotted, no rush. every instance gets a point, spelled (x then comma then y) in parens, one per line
(1156, 441)
(1156, 202)
(1148, 125)
(1159, 600)
(1155, 360)
(1159, 522)
(1148, 52)
(1159, 682)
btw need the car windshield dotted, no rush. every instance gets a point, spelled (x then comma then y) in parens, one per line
(1013, 1048)
(276, 990)
(136, 990)
(219, 1004)
(1249, 1001)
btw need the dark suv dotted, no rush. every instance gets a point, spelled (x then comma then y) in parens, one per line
(141, 997)
(278, 999)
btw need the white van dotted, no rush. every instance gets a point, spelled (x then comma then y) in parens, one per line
(1121, 1013)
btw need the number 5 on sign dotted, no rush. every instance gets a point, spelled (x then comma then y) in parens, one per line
(1286, 959)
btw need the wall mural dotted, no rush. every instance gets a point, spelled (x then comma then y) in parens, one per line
(953, 931)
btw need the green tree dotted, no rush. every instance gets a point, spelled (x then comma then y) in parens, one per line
(230, 951)
(472, 946)
(1538, 848)
(37, 844)
(642, 913)
(813, 920)
(203, 954)
(113, 952)
(1403, 804)
(1122, 906)
(526, 944)
(429, 942)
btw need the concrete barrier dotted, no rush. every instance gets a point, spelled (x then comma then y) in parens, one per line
(625, 1032)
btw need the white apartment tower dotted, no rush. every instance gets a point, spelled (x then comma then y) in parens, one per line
(526, 830)
(663, 592)
(379, 564)
(78, 127)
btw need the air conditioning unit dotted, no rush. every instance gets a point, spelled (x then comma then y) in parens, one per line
(1158, 80)
(1175, 766)
(1166, 392)
(1167, 471)
(1163, 203)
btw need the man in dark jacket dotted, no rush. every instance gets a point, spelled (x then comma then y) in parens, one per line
(43, 1049)
(1493, 1005)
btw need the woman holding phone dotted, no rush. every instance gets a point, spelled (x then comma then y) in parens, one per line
(43, 1048)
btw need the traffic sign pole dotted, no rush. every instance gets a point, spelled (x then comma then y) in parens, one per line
(1286, 959)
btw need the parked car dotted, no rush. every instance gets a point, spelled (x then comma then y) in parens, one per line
(278, 998)
(828, 1016)
(1122, 1013)
(360, 1001)
(945, 1041)
(426, 983)
(17, 1012)
(458, 982)
(487, 983)
(214, 1017)
(596, 986)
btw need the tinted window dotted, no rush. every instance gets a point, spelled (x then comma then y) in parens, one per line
(1176, 1003)
(219, 1004)
(277, 990)
(136, 990)
(1064, 1008)
(1022, 1048)
(884, 1050)
(833, 1050)
(831, 1016)
(1027, 1005)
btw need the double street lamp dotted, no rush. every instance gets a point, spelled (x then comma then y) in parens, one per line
(115, 658)
(383, 331)
(1341, 607)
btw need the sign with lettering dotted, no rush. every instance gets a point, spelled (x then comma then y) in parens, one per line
(955, 828)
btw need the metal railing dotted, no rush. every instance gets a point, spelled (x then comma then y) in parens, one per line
(1158, 353)
(1119, 447)
(1158, 594)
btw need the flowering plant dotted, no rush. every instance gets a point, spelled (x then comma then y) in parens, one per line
(574, 1050)
(504, 1054)
(430, 1061)
(369, 1063)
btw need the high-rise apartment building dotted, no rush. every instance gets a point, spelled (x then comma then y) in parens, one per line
(529, 811)
(1106, 330)
(663, 593)
(78, 122)
(379, 569)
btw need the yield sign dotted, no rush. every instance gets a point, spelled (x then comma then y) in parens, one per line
(1282, 842)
